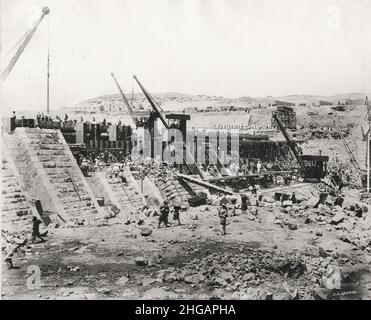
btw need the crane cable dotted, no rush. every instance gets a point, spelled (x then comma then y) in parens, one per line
(48, 67)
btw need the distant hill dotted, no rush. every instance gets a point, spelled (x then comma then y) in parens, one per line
(173, 101)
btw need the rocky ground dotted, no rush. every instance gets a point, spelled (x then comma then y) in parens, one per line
(283, 252)
(274, 252)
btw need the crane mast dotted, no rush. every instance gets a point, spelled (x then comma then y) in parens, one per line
(130, 109)
(289, 141)
(161, 115)
(153, 103)
(23, 45)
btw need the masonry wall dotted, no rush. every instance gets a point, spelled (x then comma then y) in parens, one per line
(51, 174)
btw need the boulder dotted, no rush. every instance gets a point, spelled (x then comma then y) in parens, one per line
(146, 231)
(282, 296)
(227, 276)
(171, 277)
(278, 221)
(256, 294)
(311, 202)
(194, 278)
(292, 226)
(122, 280)
(287, 209)
(287, 203)
(141, 261)
(300, 198)
(147, 281)
(268, 199)
(339, 217)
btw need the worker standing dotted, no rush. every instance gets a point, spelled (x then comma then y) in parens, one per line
(84, 167)
(223, 213)
(176, 217)
(259, 166)
(164, 214)
(244, 203)
(233, 207)
(293, 198)
(122, 176)
(36, 230)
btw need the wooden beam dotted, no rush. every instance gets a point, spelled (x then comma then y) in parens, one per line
(203, 183)
(255, 175)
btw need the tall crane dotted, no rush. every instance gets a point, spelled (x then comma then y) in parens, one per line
(290, 143)
(156, 107)
(128, 106)
(23, 45)
(160, 113)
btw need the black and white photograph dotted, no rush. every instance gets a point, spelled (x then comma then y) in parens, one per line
(185, 150)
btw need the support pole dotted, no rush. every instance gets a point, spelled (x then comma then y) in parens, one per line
(47, 86)
(368, 145)
(132, 97)
(368, 163)
(48, 72)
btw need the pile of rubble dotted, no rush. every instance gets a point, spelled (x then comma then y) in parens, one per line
(316, 131)
(241, 273)
(327, 211)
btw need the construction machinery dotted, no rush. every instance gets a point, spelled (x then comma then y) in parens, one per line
(159, 113)
(210, 152)
(24, 42)
(128, 106)
(362, 175)
(312, 166)
(139, 117)
(155, 106)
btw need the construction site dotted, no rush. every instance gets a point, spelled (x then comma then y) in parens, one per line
(126, 197)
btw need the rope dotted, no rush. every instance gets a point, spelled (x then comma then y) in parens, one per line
(350, 153)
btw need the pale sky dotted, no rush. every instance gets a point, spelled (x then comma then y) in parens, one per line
(217, 47)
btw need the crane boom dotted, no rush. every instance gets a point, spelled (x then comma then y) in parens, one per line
(153, 103)
(161, 115)
(23, 45)
(130, 109)
(289, 141)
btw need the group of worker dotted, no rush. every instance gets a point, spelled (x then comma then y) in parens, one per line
(118, 171)
(244, 169)
(224, 211)
(48, 117)
(164, 214)
(17, 242)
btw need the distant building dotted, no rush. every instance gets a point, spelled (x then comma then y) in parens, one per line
(325, 103)
(355, 102)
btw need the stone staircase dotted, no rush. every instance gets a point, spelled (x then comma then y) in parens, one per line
(171, 189)
(17, 208)
(51, 174)
(126, 196)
